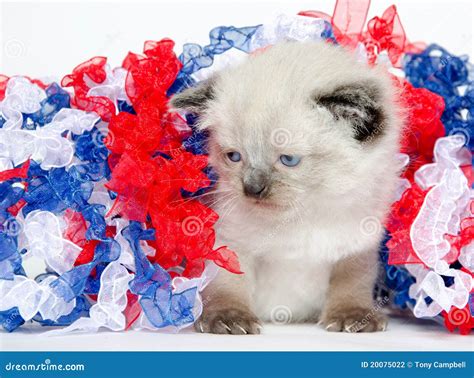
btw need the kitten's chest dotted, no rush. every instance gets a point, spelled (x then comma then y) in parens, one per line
(313, 240)
(290, 289)
(278, 237)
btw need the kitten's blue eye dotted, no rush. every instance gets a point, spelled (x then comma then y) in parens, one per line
(290, 160)
(234, 156)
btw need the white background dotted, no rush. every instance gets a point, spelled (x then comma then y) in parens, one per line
(44, 39)
(41, 38)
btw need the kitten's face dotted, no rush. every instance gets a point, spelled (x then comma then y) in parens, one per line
(285, 133)
(278, 157)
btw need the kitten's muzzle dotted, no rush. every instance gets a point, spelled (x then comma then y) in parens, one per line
(256, 183)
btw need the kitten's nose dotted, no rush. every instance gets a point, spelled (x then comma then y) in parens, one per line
(256, 184)
(256, 191)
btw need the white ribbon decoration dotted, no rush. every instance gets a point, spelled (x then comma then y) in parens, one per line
(31, 298)
(42, 238)
(432, 284)
(402, 184)
(281, 28)
(111, 302)
(45, 145)
(21, 96)
(466, 257)
(72, 120)
(288, 28)
(445, 205)
(113, 87)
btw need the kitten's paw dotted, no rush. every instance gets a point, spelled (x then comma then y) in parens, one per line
(354, 319)
(228, 321)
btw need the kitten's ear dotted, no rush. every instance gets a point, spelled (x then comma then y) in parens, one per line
(194, 99)
(358, 103)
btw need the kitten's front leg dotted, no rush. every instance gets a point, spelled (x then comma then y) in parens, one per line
(349, 305)
(226, 307)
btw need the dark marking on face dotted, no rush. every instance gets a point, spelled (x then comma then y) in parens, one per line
(358, 104)
(194, 99)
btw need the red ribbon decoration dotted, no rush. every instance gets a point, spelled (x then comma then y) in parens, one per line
(383, 33)
(94, 70)
(21, 172)
(150, 168)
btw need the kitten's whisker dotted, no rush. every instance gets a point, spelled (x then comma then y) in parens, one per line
(219, 200)
(212, 192)
(230, 207)
(300, 188)
(296, 212)
(179, 179)
(298, 207)
(301, 207)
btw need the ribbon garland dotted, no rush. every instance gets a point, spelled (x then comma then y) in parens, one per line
(101, 185)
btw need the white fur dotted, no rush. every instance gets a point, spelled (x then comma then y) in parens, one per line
(321, 210)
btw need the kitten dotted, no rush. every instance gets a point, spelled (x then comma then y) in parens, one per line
(303, 139)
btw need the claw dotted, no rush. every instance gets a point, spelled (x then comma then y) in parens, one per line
(244, 331)
(225, 325)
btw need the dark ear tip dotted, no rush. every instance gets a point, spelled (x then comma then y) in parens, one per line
(194, 99)
(177, 101)
(358, 103)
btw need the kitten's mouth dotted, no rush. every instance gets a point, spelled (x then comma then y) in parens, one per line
(265, 204)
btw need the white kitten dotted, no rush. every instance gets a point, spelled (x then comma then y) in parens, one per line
(304, 140)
